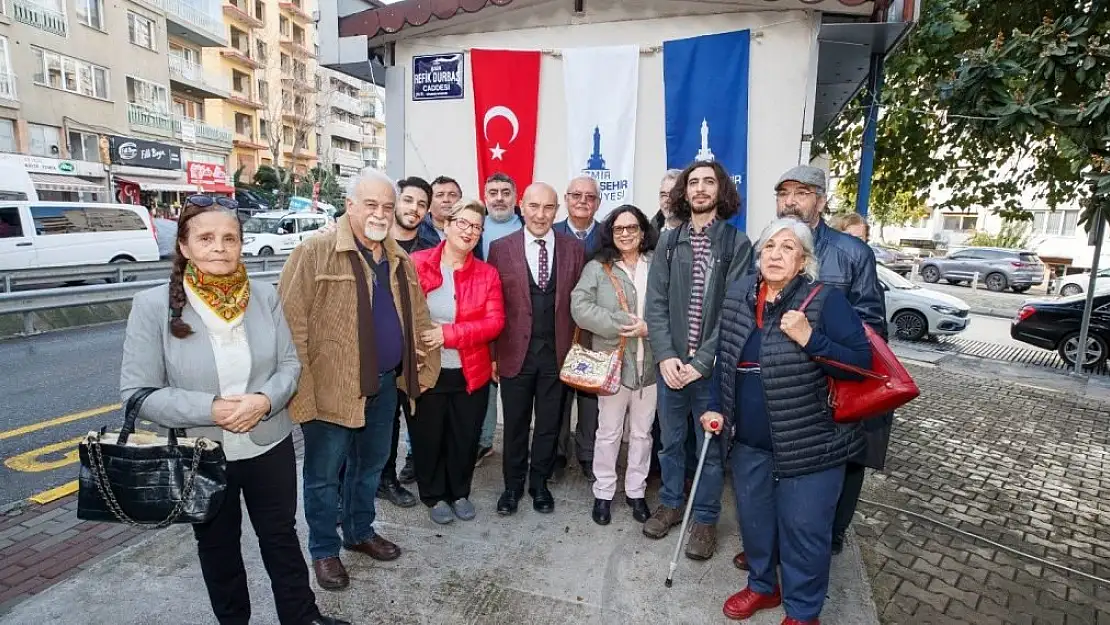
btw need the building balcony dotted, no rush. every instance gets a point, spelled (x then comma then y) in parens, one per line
(143, 118)
(370, 141)
(192, 23)
(191, 79)
(7, 88)
(40, 17)
(242, 57)
(248, 142)
(346, 158)
(203, 133)
(344, 129)
(347, 103)
(302, 84)
(296, 11)
(245, 100)
(240, 12)
(298, 49)
(295, 116)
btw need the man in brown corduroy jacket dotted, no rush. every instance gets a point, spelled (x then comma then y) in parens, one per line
(355, 308)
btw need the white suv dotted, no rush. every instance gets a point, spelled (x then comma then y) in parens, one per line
(266, 234)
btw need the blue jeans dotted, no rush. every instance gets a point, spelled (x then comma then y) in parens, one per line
(787, 521)
(490, 422)
(676, 409)
(365, 450)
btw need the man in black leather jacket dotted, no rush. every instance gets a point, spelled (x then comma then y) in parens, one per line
(847, 263)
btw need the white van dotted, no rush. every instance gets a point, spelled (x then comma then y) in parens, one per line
(16, 184)
(278, 232)
(52, 234)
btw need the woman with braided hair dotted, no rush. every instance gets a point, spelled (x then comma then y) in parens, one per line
(217, 348)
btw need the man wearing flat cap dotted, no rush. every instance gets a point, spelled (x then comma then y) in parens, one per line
(848, 264)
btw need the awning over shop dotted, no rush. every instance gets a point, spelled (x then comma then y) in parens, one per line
(57, 182)
(160, 184)
(215, 187)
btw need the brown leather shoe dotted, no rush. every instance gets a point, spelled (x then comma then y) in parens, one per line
(377, 548)
(331, 574)
(661, 522)
(703, 541)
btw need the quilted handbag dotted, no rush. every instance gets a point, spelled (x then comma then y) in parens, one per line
(148, 480)
(594, 372)
(879, 391)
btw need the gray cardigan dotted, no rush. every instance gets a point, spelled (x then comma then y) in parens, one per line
(185, 369)
(595, 308)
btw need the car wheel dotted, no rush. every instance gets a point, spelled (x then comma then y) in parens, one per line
(910, 325)
(996, 282)
(1096, 350)
(266, 251)
(930, 274)
(1071, 289)
(1019, 289)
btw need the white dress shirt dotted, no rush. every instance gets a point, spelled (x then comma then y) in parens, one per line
(532, 253)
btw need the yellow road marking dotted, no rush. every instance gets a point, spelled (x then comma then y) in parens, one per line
(55, 493)
(42, 425)
(29, 462)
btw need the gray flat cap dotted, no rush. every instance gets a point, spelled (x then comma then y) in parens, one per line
(806, 175)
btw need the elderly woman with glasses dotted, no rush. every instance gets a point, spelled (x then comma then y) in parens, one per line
(789, 455)
(465, 303)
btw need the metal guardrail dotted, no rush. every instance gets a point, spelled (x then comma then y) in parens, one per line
(117, 272)
(26, 303)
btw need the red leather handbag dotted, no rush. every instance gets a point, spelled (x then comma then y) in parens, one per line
(884, 387)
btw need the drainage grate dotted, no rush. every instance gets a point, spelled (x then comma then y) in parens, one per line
(994, 351)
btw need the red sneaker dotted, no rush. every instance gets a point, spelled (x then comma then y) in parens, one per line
(793, 621)
(747, 602)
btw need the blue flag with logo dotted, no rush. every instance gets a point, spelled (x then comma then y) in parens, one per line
(705, 81)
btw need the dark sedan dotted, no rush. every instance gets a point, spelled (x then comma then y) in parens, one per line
(893, 259)
(1054, 324)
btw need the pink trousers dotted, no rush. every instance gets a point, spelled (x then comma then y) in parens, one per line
(639, 407)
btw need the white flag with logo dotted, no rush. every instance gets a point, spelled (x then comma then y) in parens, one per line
(601, 85)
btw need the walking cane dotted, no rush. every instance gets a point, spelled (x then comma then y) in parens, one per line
(713, 425)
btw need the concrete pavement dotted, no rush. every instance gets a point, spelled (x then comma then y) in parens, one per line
(529, 568)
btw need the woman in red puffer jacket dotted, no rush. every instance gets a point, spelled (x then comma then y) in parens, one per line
(464, 301)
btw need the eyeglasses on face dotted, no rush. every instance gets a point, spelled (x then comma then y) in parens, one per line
(801, 194)
(577, 196)
(466, 226)
(619, 230)
(204, 201)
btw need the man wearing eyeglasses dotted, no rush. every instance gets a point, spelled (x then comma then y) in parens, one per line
(848, 264)
(583, 197)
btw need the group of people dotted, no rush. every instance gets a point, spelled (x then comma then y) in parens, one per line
(425, 305)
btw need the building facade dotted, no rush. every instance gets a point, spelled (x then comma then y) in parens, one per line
(341, 130)
(373, 126)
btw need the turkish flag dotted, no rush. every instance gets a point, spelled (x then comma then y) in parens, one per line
(506, 109)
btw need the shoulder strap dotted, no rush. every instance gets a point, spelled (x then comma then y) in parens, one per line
(672, 241)
(728, 240)
(617, 287)
(809, 298)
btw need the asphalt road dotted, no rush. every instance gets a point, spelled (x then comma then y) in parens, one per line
(46, 378)
(990, 330)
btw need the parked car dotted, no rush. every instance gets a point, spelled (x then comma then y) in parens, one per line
(53, 234)
(998, 268)
(914, 312)
(1077, 282)
(1054, 324)
(893, 259)
(266, 234)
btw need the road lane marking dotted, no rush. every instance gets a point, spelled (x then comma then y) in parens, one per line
(29, 462)
(42, 425)
(55, 493)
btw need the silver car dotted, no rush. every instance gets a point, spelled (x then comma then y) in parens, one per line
(999, 269)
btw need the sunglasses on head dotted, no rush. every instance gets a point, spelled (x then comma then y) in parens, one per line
(204, 201)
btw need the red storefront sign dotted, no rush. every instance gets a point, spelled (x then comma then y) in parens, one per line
(210, 178)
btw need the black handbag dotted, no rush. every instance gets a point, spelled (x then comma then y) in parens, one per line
(148, 480)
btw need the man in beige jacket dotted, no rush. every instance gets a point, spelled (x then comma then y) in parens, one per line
(355, 308)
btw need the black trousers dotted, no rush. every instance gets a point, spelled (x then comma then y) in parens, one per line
(585, 432)
(389, 473)
(444, 433)
(849, 497)
(537, 385)
(268, 484)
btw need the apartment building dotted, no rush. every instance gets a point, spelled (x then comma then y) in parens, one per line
(269, 61)
(373, 124)
(340, 110)
(103, 100)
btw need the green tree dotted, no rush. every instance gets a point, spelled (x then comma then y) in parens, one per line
(889, 206)
(1013, 235)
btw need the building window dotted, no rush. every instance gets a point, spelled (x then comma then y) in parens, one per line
(262, 50)
(264, 129)
(84, 146)
(91, 13)
(7, 136)
(188, 109)
(244, 125)
(284, 25)
(1056, 223)
(287, 135)
(7, 78)
(263, 91)
(240, 41)
(960, 223)
(148, 95)
(141, 31)
(260, 10)
(45, 140)
(188, 54)
(68, 74)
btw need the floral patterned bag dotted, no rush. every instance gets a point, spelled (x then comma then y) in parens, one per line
(595, 372)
